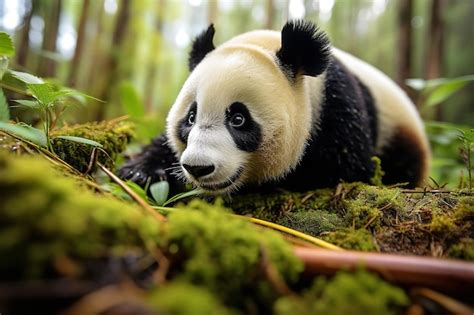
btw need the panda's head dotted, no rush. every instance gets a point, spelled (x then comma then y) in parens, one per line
(244, 114)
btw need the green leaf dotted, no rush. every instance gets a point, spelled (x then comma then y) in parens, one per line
(187, 194)
(137, 189)
(26, 77)
(4, 110)
(81, 140)
(416, 84)
(44, 93)
(131, 101)
(3, 65)
(159, 191)
(6, 45)
(25, 132)
(441, 92)
(28, 103)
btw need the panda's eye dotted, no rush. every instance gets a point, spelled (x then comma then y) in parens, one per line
(191, 118)
(237, 120)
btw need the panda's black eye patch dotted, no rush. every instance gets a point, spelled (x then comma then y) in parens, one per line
(185, 124)
(245, 131)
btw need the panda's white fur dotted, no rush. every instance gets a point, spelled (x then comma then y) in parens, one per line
(395, 109)
(245, 69)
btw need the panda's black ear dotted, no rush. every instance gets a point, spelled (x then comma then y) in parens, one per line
(305, 50)
(202, 45)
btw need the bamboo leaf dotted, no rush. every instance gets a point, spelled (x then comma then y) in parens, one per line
(442, 92)
(81, 140)
(159, 191)
(26, 77)
(3, 65)
(28, 103)
(4, 110)
(25, 132)
(6, 45)
(187, 194)
(44, 93)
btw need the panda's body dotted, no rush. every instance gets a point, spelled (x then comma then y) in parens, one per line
(270, 109)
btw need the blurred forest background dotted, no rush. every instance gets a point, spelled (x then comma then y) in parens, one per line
(132, 54)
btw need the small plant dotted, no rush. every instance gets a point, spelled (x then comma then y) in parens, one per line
(48, 99)
(467, 139)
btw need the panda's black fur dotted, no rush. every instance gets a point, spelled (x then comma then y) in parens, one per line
(341, 145)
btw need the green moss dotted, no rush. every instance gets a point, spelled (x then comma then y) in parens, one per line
(368, 205)
(225, 254)
(348, 238)
(462, 250)
(378, 172)
(312, 222)
(179, 298)
(347, 293)
(45, 215)
(464, 209)
(114, 136)
(442, 223)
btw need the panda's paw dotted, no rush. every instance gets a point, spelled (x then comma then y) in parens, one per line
(140, 174)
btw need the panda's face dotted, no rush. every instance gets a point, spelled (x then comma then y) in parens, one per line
(237, 122)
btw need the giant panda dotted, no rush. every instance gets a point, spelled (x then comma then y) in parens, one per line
(270, 110)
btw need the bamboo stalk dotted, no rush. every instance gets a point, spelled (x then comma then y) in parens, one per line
(441, 274)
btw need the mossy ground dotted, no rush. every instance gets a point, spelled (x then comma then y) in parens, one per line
(371, 218)
(201, 260)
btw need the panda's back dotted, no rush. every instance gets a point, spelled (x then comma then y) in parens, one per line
(399, 128)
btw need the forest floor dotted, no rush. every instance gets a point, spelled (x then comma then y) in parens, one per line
(71, 243)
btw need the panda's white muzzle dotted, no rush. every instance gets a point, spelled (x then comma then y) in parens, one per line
(211, 159)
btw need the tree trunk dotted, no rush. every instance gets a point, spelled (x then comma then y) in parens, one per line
(24, 41)
(269, 15)
(111, 68)
(212, 7)
(405, 15)
(47, 66)
(435, 46)
(153, 69)
(81, 33)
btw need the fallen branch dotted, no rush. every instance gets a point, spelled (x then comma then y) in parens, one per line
(441, 274)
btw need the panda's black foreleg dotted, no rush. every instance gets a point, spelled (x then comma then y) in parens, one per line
(156, 162)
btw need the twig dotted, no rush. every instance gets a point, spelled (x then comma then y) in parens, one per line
(435, 191)
(448, 303)
(132, 194)
(272, 274)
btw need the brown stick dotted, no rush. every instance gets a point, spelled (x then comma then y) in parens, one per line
(441, 274)
(148, 209)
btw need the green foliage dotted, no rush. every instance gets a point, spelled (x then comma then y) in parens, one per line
(451, 147)
(159, 191)
(436, 91)
(4, 111)
(179, 298)
(214, 247)
(26, 132)
(359, 293)
(6, 45)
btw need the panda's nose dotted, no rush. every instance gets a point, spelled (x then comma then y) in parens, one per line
(199, 170)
